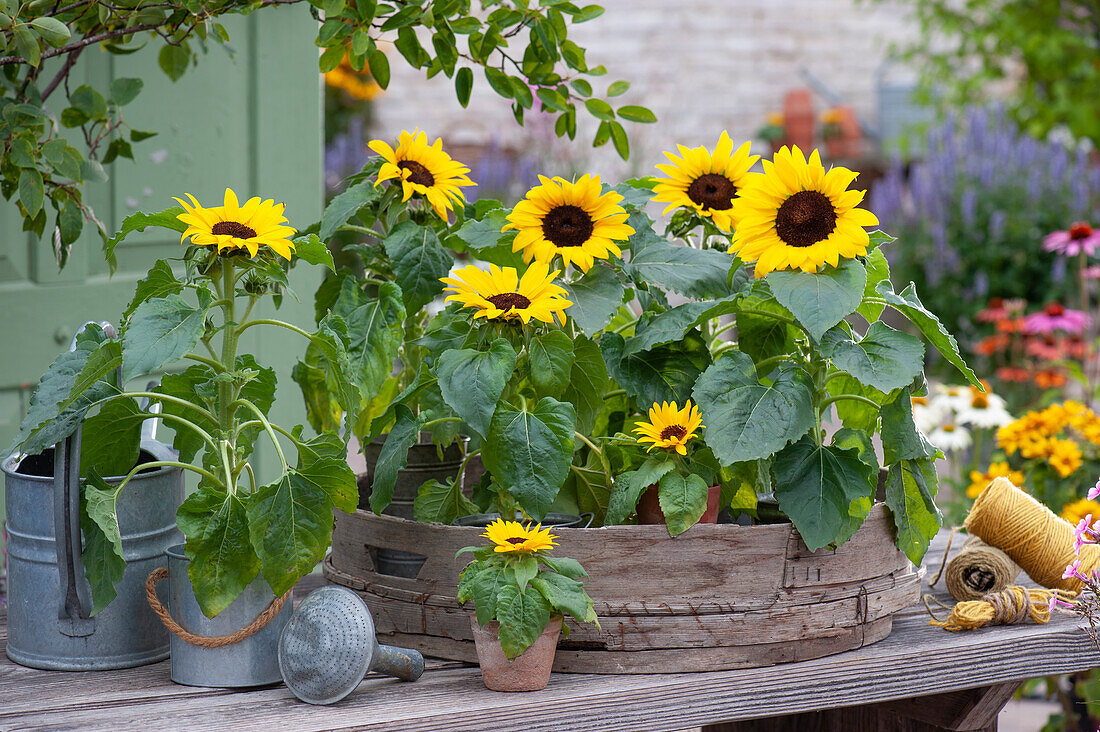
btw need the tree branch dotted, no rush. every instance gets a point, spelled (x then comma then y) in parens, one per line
(62, 73)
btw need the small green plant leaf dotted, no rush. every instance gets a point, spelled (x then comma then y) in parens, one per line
(393, 456)
(523, 615)
(820, 300)
(161, 331)
(884, 358)
(911, 496)
(596, 297)
(219, 547)
(471, 381)
(683, 501)
(419, 261)
(441, 502)
(630, 486)
(104, 562)
(551, 356)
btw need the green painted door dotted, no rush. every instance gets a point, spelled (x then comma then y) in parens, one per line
(251, 121)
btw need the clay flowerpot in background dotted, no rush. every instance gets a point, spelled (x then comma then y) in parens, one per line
(529, 671)
(649, 507)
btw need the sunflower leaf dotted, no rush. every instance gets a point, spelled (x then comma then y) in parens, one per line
(523, 615)
(909, 305)
(596, 297)
(566, 595)
(551, 356)
(683, 501)
(666, 373)
(104, 562)
(588, 382)
(878, 270)
(140, 221)
(674, 323)
(471, 381)
(815, 485)
(901, 438)
(820, 300)
(375, 327)
(758, 333)
(159, 282)
(393, 456)
(441, 502)
(161, 331)
(630, 486)
(418, 260)
(884, 358)
(747, 419)
(690, 272)
(911, 497)
(342, 207)
(530, 452)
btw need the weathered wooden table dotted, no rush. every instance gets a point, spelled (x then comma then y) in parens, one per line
(920, 678)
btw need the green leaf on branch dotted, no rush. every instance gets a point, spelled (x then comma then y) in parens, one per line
(901, 438)
(161, 331)
(820, 300)
(596, 297)
(746, 418)
(472, 381)
(630, 486)
(683, 501)
(323, 461)
(884, 358)
(911, 496)
(26, 44)
(588, 382)
(909, 305)
(173, 60)
(219, 547)
(111, 440)
(530, 452)
(815, 486)
(523, 615)
(393, 456)
(104, 562)
(124, 91)
(637, 114)
(551, 356)
(31, 192)
(441, 502)
(666, 373)
(418, 260)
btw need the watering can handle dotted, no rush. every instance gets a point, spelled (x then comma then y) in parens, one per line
(404, 663)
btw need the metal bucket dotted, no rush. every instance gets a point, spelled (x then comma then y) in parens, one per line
(252, 662)
(49, 599)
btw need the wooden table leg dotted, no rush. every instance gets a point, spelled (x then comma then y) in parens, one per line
(970, 710)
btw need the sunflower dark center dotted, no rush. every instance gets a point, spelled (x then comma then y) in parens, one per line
(509, 300)
(712, 191)
(673, 430)
(417, 173)
(515, 539)
(805, 218)
(567, 226)
(232, 228)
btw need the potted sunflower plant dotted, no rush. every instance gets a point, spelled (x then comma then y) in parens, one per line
(246, 544)
(521, 594)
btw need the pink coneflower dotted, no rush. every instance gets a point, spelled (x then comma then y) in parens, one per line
(1091, 273)
(999, 309)
(1055, 317)
(1079, 238)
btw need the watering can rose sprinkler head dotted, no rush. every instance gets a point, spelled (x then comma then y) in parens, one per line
(329, 645)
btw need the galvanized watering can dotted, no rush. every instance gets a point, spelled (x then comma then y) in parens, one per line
(49, 600)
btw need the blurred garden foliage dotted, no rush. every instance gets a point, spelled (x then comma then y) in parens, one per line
(972, 214)
(52, 147)
(1045, 53)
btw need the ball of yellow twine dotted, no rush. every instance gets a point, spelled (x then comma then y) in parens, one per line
(1039, 541)
(978, 570)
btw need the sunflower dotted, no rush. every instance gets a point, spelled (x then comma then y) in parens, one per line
(423, 169)
(797, 215)
(570, 219)
(232, 226)
(670, 427)
(501, 293)
(512, 536)
(704, 181)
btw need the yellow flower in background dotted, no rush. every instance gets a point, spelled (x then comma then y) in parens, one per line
(777, 119)
(797, 215)
(704, 181)
(359, 84)
(572, 220)
(512, 536)
(501, 293)
(231, 227)
(1065, 457)
(669, 427)
(979, 480)
(424, 169)
(1074, 512)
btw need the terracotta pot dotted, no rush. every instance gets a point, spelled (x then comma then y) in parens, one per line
(529, 671)
(649, 507)
(836, 148)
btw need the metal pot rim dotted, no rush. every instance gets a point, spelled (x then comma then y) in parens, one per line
(156, 448)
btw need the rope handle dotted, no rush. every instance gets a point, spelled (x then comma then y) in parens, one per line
(200, 640)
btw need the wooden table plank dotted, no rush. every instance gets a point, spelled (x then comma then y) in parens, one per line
(916, 660)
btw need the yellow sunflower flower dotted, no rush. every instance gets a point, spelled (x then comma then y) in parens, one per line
(232, 226)
(501, 293)
(669, 427)
(424, 169)
(797, 215)
(512, 536)
(979, 480)
(573, 220)
(704, 181)
(1074, 512)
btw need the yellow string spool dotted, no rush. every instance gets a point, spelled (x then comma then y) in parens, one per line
(1039, 541)
(978, 570)
(1012, 605)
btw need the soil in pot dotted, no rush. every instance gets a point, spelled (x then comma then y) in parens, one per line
(649, 507)
(529, 671)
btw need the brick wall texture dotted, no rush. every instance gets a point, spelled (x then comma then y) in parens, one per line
(701, 65)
